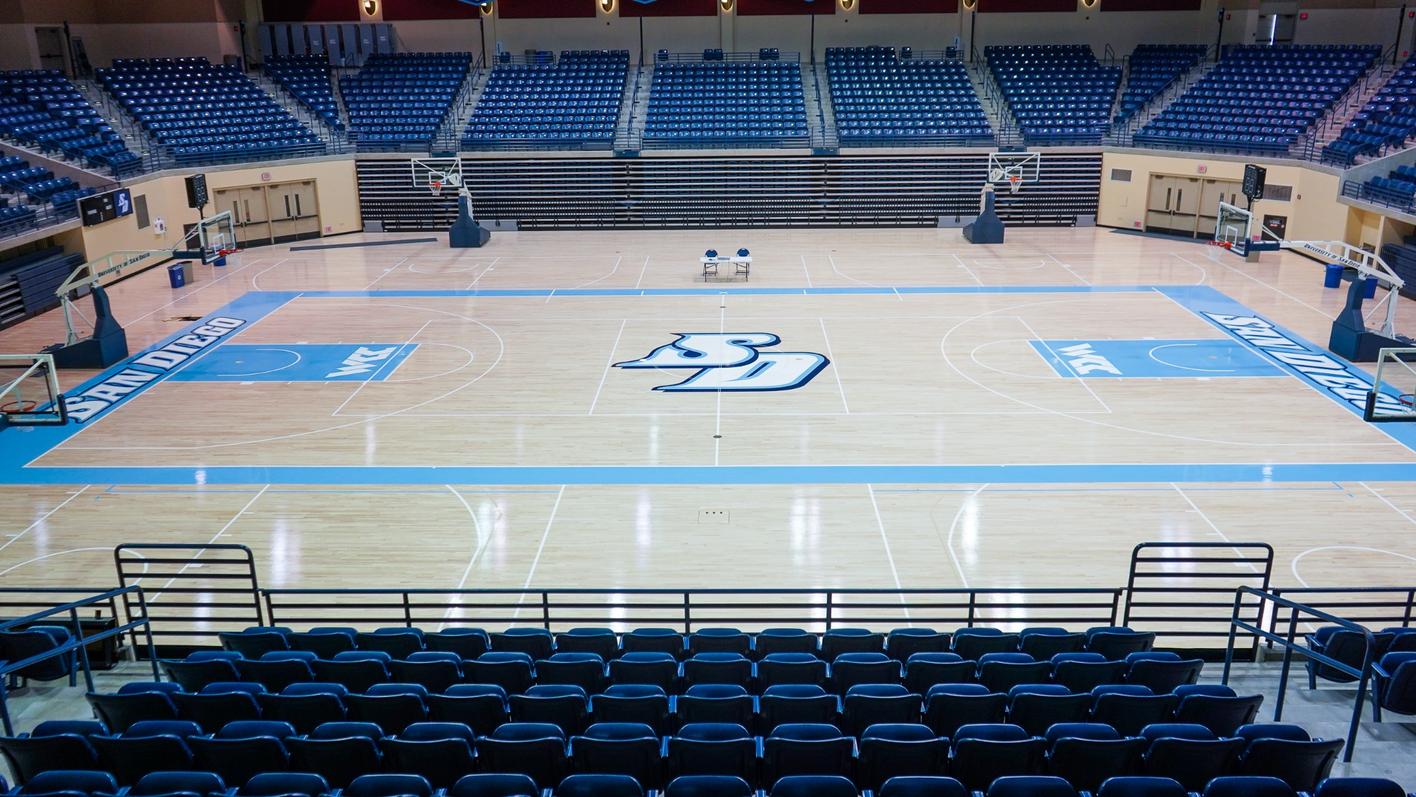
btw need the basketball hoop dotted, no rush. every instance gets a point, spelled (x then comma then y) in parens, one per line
(435, 185)
(1015, 182)
(21, 407)
(1409, 399)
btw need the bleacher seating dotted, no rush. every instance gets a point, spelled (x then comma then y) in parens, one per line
(1060, 94)
(307, 79)
(726, 103)
(40, 108)
(878, 98)
(1397, 189)
(28, 282)
(402, 99)
(716, 712)
(1259, 98)
(1386, 121)
(1402, 259)
(573, 101)
(1151, 70)
(205, 113)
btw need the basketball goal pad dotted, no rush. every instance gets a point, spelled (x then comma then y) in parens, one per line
(1393, 393)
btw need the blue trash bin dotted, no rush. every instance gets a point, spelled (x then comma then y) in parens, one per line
(1369, 289)
(1332, 278)
(176, 277)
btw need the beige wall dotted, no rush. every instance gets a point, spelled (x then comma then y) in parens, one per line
(1313, 214)
(335, 185)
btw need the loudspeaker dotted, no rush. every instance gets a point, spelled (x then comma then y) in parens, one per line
(197, 191)
(1254, 177)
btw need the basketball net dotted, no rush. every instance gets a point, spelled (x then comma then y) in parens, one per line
(1015, 182)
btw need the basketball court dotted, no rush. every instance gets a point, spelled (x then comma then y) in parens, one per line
(875, 408)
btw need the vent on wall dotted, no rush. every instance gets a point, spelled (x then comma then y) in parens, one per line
(1120, 175)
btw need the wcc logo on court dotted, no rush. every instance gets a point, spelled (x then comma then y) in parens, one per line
(732, 361)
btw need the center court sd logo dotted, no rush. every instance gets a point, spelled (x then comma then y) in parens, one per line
(732, 361)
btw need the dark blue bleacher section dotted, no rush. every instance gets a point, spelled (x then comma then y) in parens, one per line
(878, 98)
(719, 103)
(1402, 259)
(573, 101)
(1387, 120)
(402, 99)
(203, 113)
(1259, 98)
(28, 282)
(1397, 189)
(1059, 93)
(40, 108)
(1152, 69)
(307, 79)
(404, 711)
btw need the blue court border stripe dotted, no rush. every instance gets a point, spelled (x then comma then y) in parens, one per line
(767, 474)
(31, 443)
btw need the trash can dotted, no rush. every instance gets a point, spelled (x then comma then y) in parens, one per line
(1369, 288)
(1332, 278)
(177, 275)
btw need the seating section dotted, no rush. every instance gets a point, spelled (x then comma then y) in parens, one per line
(1152, 69)
(1059, 93)
(727, 103)
(1385, 122)
(203, 113)
(574, 101)
(879, 98)
(1259, 98)
(32, 194)
(402, 99)
(404, 711)
(1397, 189)
(40, 108)
(307, 79)
(1402, 259)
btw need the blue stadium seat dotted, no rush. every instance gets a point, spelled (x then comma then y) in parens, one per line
(894, 750)
(599, 785)
(728, 703)
(708, 786)
(924, 670)
(562, 705)
(601, 641)
(1087, 754)
(535, 749)
(806, 749)
(922, 786)
(441, 752)
(984, 752)
(275, 784)
(813, 786)
(401, 99)
(795, 703)
(493, 785)
(712, 749)
(481, 707)
(622, 748)
(389, 785)
(639, 703)
(947, 707)
(468, 643)
(339, 752)
(724, 103)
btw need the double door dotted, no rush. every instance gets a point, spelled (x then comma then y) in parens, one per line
(272, 213)
(1187, 206)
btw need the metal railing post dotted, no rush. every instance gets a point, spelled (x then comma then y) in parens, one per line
(407, 611)
(1229, 647)
(83, 647)
(829, 609)
(1287, 664)
(546, 610)
(687, 614)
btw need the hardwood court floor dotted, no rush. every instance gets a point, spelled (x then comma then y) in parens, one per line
(955, 438)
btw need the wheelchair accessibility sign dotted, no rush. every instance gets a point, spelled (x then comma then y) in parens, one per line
(731, 361)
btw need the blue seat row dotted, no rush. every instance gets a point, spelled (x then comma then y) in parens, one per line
(1259, 98)
(877, 97)
(1057, 93)
(572, 101)
(41, 108)
(1153, 68)
(201, 112)
(403, 98)
(307, 79)
(736, 103)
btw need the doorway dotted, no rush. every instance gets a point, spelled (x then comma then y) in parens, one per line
(273, 213)
(50, 41)
(1187, 206)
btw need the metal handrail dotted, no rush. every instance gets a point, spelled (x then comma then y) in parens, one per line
(78, 640)
(818, 607)
(1362, 674)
